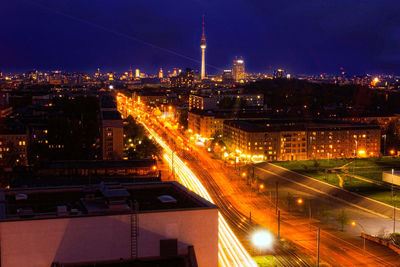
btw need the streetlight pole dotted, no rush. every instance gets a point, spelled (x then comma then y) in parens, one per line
(353, 223)
(276, 197)
(250, 218)
(279, 224)
(384, 144)
(318, 240)
(309, 213)
(172, 165)
(394, 204)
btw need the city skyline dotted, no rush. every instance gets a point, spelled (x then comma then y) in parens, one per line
(76, 37)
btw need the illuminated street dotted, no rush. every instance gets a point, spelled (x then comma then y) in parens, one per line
(235, 200)
(231, 251)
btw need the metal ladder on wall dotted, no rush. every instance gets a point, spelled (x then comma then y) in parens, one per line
(134, 230)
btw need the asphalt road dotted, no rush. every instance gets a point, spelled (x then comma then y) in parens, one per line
(333, 192)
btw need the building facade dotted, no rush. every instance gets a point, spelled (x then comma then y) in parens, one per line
(207, 102)
(208, 123)
(13, 149)
(112, 135)
(302, 140)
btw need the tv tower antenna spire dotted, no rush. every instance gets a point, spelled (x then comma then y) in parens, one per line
(203, 51)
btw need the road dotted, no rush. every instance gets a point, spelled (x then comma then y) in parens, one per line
(334, 192)
(230, 250)
(337, 249)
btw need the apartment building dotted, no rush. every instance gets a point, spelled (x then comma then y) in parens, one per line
(302, 139)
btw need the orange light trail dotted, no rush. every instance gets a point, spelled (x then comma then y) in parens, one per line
(231, 252)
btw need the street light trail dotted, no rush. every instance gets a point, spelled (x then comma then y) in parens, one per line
(231, 252)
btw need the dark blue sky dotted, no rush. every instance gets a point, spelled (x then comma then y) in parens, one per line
(309, 36)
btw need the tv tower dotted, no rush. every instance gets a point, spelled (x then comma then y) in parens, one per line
(203, 54)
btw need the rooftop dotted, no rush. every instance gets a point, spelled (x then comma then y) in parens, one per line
(100, 199)
(96, 164)
(234, 113)
(111, 115)
(178, 261)
(271, 125)
(11, 127)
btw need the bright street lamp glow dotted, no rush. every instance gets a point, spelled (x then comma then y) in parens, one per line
(262, 239)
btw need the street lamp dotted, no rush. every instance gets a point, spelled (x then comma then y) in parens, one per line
(260, 188)
(354, 223)
(300, 202)
(262, 239)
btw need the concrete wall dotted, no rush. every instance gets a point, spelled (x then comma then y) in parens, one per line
(41, 242)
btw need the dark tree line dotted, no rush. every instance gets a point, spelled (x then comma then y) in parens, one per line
(138, 144)
(283, 93)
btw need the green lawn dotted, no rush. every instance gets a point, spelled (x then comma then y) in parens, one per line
(264, 261)
(316, 168)
(312, 165)
(369, 168)
(372, 168)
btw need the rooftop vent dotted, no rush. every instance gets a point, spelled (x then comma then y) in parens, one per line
(25, 212)
(166, 199)
(62, 211)
(74, 211)
(21, 197)
(113, 190)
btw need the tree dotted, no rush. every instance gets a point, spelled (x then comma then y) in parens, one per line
(289, 200)
(232, 103)
(316, 164)
(392, 136)
(343, 219)
(183, 118)
(323, 212)
(135, 135)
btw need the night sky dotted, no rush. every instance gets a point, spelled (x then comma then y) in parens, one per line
(309, 36)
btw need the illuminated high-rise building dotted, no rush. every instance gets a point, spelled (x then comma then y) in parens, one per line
(137, 73)
(203, 54)
(161, 74)
(97, 73)
(130, 74)
(279, 74)
(238, 71)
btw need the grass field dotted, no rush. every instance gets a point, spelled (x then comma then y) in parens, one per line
(371, 168)
(264, 261)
